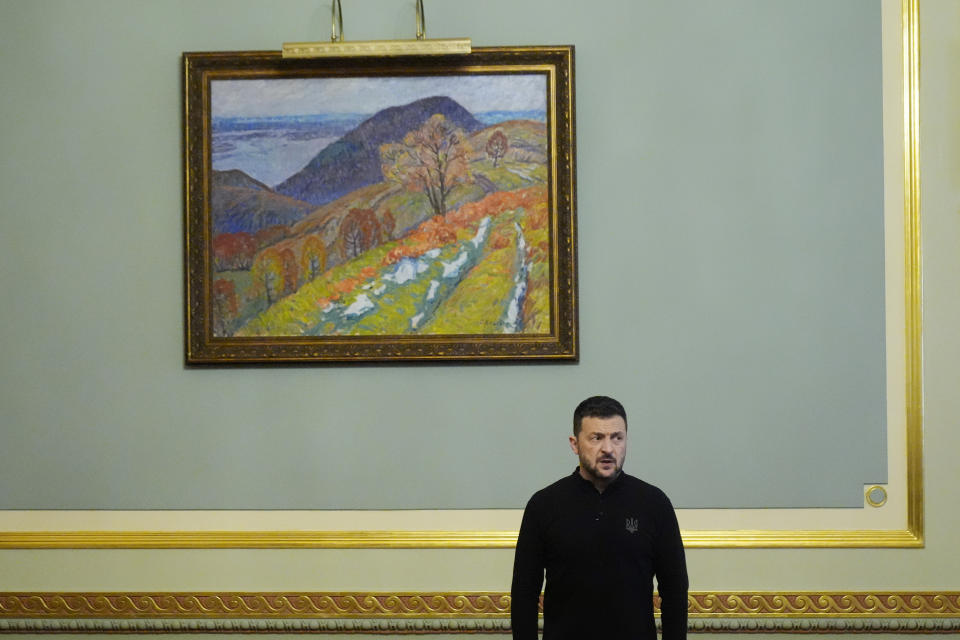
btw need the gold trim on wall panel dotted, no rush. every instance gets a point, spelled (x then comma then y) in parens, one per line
(465, 612)
(425, 539)
(911, 535)
(261, 539)
(910, 20)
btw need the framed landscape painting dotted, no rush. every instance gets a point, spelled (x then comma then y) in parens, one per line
(380, 209)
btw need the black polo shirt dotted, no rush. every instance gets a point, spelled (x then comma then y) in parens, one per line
(600, 552)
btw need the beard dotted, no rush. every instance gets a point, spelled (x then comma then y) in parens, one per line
(592, 467)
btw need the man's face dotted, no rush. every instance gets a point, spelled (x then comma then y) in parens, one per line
(601, 447)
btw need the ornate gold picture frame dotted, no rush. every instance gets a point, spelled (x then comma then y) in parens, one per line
(417, 208)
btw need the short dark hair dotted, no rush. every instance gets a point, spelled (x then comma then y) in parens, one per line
(597, 407)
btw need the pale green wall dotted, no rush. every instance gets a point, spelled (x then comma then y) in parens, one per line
(730, 265)
(150, 339)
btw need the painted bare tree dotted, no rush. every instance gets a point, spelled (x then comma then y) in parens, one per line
(432, 159)
(360, 231)
(497, 146)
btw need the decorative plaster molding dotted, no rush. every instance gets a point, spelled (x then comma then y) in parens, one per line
(253, 605)
(865, 604)
(466, 612)
(452, 626)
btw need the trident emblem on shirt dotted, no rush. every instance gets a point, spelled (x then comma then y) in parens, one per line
(632, 525)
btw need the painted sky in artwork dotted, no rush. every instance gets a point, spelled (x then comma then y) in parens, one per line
(308, 96)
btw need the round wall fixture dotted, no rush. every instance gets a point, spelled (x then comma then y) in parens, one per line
(876, 496)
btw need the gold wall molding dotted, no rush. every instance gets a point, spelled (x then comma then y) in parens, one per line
(253, 605)
(480, 604)
(899, 626)
(913, 612)
(426, 539)
(926, 604)
(909, 536)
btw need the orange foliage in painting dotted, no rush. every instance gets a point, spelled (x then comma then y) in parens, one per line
(346, 285)
(432, 159)
(499, 240)
(430, 234)
(497, 146)
(387, 223)
(498, 202)
(435, 232)
(290, 270)
(233, 251)
(442, 230)
(402, 251)
(224, 305)
(360, 231)
(225, 295)
(313, 257)
(267, 275)
(539, 217)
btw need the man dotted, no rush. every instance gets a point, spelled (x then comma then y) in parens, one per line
(602, 536)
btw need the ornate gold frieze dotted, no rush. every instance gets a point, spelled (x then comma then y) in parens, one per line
(871, 604)
(419, 626)
(477, 605)
(252, 605)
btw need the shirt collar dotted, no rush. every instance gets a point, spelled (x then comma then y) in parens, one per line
(586, 484)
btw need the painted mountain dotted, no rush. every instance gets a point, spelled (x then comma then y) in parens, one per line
(238, 203)
(353, 161)
(362, 241)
